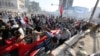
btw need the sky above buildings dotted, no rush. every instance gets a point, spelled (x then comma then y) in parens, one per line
(85, 3)
(46, 4)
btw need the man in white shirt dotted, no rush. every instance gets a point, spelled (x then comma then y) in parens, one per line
(21, 31)
(65, 35)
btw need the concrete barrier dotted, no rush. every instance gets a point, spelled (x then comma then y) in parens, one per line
(65, 49)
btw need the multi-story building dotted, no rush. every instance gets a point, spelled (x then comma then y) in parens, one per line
(34, 7)
(27, 3)
(66, 7)
(21, 5)
(66, 3)
(12, 5)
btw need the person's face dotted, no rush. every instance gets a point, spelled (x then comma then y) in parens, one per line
(1, 21)
(9, 24)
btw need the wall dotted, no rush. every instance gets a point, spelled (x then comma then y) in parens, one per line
(8, 5)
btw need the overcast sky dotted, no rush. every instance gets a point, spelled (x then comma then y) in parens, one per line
(46, 4)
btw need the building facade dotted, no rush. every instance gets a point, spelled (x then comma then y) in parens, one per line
(34, 7)
(12, 5)
(27, 3)
(66, 4)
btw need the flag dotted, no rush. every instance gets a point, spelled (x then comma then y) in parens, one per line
(61, 10)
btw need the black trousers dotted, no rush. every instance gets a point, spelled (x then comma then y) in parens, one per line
(61, 41)
(2, 42)
(14, 52)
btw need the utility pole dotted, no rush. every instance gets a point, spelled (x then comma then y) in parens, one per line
(93, 11)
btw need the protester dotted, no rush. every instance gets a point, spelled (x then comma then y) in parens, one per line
(65, 35)
(41, 25)
(2, 28)
(49, 44)
(19, 33)
(81, 51)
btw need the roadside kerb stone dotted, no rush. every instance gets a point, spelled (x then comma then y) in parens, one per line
(68, 44)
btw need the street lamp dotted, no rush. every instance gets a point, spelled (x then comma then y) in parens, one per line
(54, 4)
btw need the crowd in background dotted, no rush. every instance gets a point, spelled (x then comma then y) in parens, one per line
(35, 26)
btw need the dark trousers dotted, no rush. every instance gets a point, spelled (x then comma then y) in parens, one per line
(2, 42)
(14, 52)
(61, 41)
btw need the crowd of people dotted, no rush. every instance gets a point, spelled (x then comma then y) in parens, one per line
(29, 29)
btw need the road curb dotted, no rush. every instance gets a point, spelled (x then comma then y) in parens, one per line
(66, 47)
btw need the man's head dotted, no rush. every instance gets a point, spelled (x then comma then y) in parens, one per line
(81, 47)
(64, 30)
(8, 24)
(1, 20)
(54, 39)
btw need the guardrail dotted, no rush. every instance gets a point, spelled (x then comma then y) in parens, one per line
(65, 48)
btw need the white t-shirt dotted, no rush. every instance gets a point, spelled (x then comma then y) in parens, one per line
(65, 34)
(20, 29)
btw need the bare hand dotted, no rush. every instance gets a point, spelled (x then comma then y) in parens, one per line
(0, 38)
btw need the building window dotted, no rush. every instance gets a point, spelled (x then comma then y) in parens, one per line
(21, 6)
(2, 3)
(9, 4)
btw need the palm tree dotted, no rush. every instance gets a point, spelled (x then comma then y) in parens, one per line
(93, 10)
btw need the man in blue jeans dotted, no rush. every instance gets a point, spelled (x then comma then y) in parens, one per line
(48, 44)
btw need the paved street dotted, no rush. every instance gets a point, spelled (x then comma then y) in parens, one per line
(90, 43)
